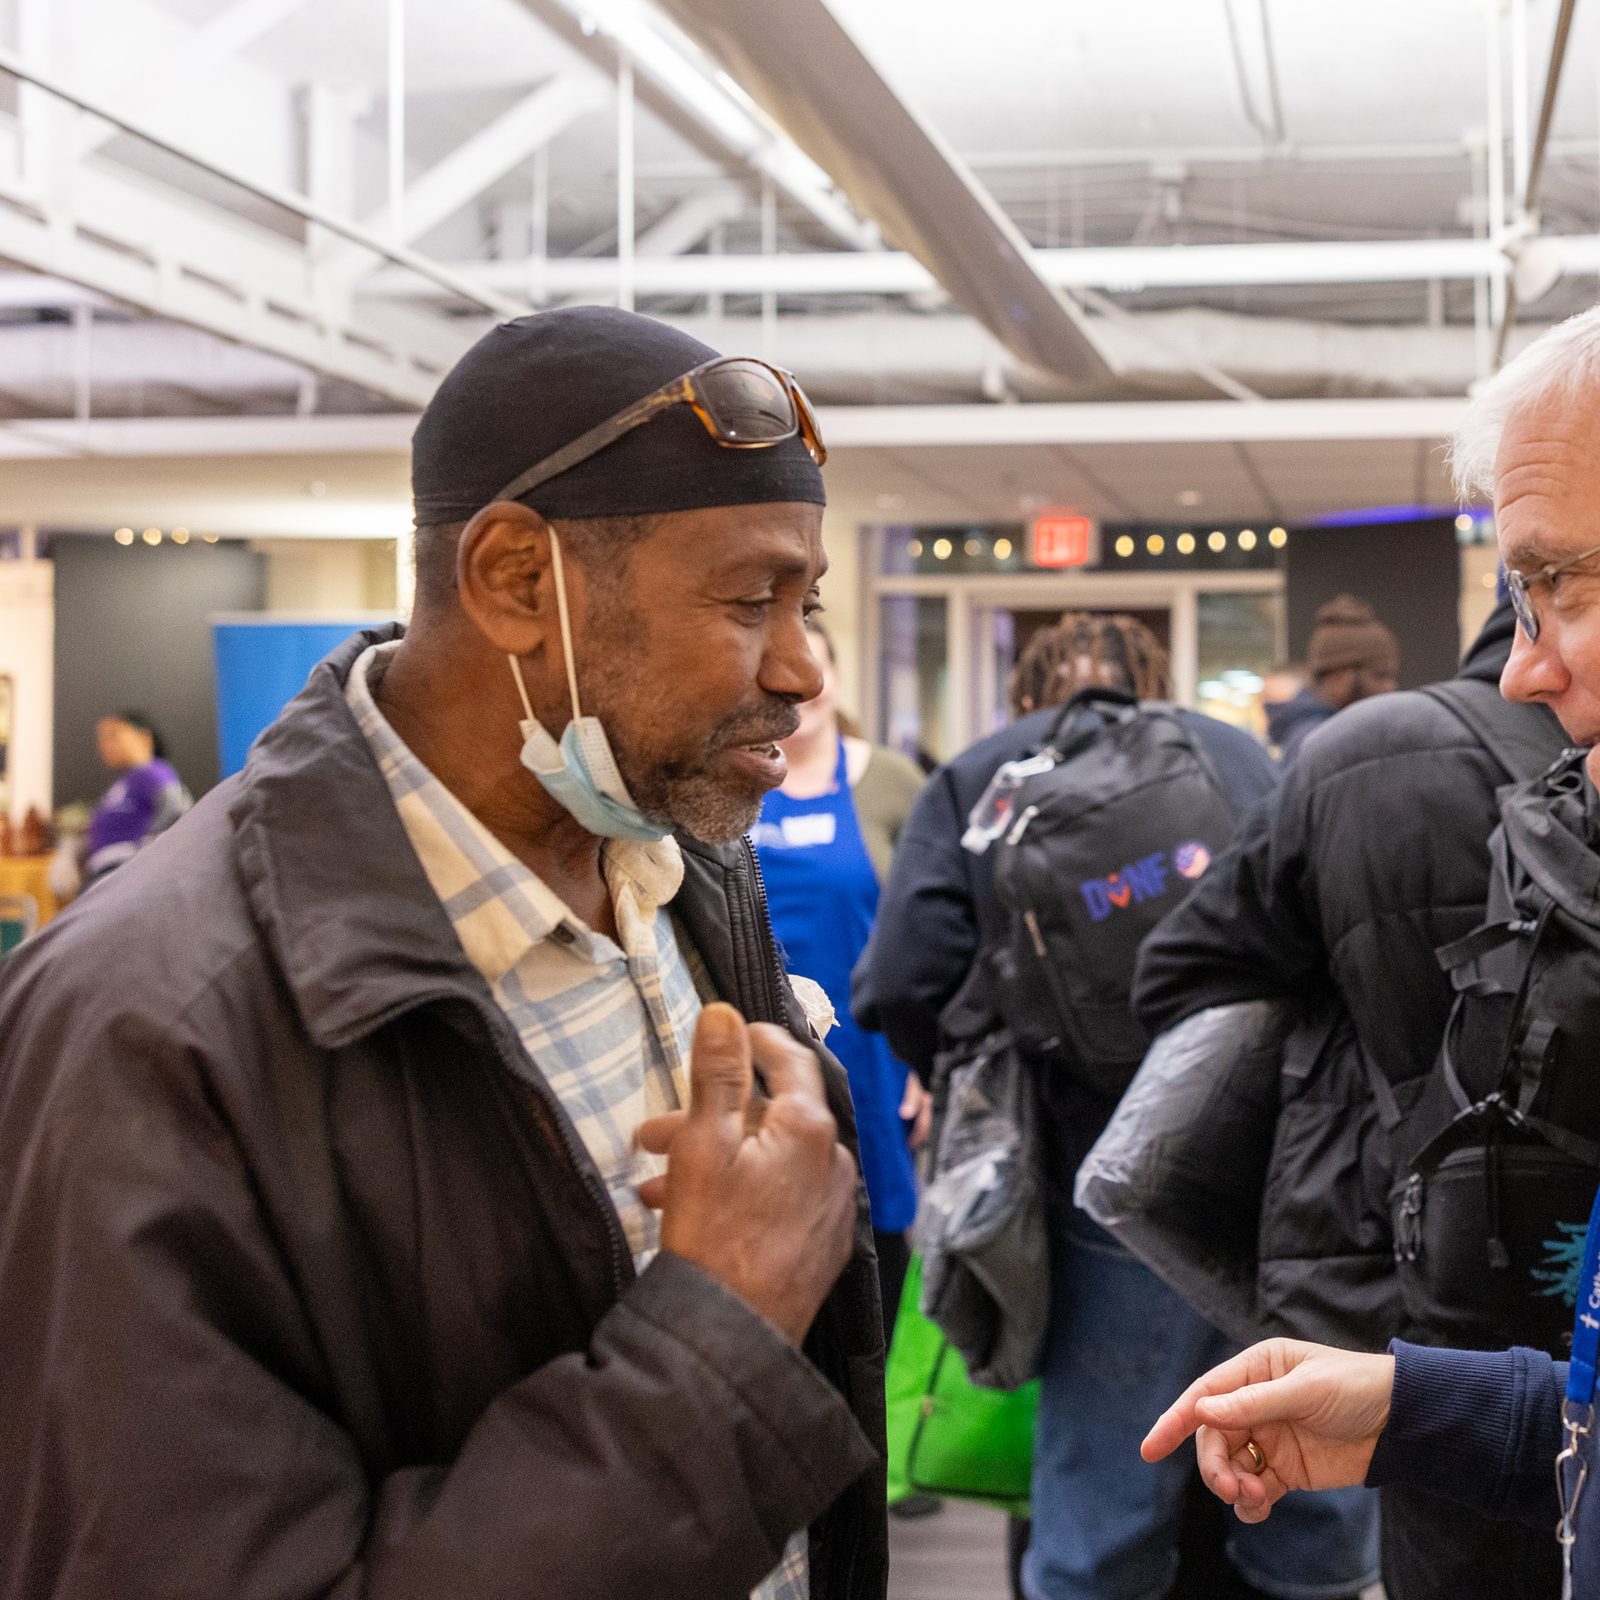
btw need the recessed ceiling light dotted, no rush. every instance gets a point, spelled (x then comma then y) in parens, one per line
(123, 536)
(1002, 549)
(151, 536)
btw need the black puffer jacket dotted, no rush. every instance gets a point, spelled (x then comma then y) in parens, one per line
(308, 1286)
(1371, 855)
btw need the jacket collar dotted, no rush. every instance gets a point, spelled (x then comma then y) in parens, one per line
(1489, 652)
(353, 924)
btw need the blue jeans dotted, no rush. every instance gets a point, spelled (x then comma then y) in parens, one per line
(1121, 1347)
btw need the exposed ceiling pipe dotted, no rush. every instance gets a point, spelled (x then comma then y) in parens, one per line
(1271, 127)
(1530, 200)
(798, 63)
(1117, 268)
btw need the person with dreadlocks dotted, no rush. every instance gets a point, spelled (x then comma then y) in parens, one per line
(1083, 649)
(1106, 1527)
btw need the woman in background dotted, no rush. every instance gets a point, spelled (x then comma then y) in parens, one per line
(824, 840)
(147, 798)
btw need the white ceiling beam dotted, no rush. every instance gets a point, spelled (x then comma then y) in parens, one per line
(800, 63)
(721, 111)
(233, 29)
(688, 222)
(846, 428)
(489, 154)
(1118, 269)
(29, 291)
(1139, 422)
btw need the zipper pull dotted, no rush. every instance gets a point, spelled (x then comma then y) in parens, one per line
(1408, 1227)
(1019, 827)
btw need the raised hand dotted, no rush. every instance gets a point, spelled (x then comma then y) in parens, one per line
(1313, 1413)
(760, 1194)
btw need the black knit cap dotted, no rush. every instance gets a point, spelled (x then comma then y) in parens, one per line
(530, 386)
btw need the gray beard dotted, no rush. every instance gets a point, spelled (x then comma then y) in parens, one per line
(702, 808)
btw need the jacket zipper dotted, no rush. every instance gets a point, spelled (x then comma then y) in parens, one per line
(773, 967)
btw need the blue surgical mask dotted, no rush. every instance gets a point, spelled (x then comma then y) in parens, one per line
(580, 774)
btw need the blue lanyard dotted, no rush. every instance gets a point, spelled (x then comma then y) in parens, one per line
(1586, 1329)
(1577, 1412)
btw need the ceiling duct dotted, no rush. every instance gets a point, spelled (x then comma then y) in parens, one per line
(805, 71)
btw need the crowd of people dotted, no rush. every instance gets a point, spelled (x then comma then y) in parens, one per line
(493, 1169)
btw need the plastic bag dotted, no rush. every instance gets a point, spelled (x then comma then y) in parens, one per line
(981, 1225)
(1179, 1173)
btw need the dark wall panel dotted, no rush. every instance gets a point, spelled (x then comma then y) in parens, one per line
(1408, 572)
(133, 630)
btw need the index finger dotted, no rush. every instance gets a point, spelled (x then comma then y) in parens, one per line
(790, 1068)
(1178, 1421)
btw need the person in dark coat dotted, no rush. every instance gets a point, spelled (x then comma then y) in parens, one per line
(385, 1206)
(1337, 881)
(1372, 854)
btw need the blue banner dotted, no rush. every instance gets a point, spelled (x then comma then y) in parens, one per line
(260, 667)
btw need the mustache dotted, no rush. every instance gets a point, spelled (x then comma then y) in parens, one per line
(769, 730)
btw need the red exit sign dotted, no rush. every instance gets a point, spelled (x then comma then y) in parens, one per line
(1062, 539)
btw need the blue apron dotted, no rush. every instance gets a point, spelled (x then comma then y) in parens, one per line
(823, 894)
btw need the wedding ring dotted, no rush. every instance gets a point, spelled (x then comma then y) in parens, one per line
(1257, 1460)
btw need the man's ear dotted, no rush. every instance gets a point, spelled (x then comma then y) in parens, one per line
(505, 577)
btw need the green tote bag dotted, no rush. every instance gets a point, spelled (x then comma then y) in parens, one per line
(948, 1437)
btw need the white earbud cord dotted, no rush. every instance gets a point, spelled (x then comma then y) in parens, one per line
(566, 638)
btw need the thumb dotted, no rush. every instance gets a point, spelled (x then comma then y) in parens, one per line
(720, 1076)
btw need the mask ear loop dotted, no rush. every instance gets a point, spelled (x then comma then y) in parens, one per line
(566, 638)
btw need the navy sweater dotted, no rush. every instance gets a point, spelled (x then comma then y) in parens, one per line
(1484, 1428)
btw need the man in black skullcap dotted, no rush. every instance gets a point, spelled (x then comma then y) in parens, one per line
(406, 1220)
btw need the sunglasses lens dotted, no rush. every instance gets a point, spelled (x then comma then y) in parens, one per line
(748, 403)
(809, 431)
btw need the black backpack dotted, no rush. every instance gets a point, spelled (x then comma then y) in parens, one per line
(1501, 1154)
(1095, 851)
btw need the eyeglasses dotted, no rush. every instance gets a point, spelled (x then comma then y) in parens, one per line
(1519, 583)
(744, 404)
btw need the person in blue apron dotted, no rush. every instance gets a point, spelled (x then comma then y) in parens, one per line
(1509, 1432)
(824, 840)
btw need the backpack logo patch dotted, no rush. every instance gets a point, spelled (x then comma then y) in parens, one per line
(1142, 880)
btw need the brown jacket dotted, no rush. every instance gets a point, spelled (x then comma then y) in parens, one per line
(305, 1292)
